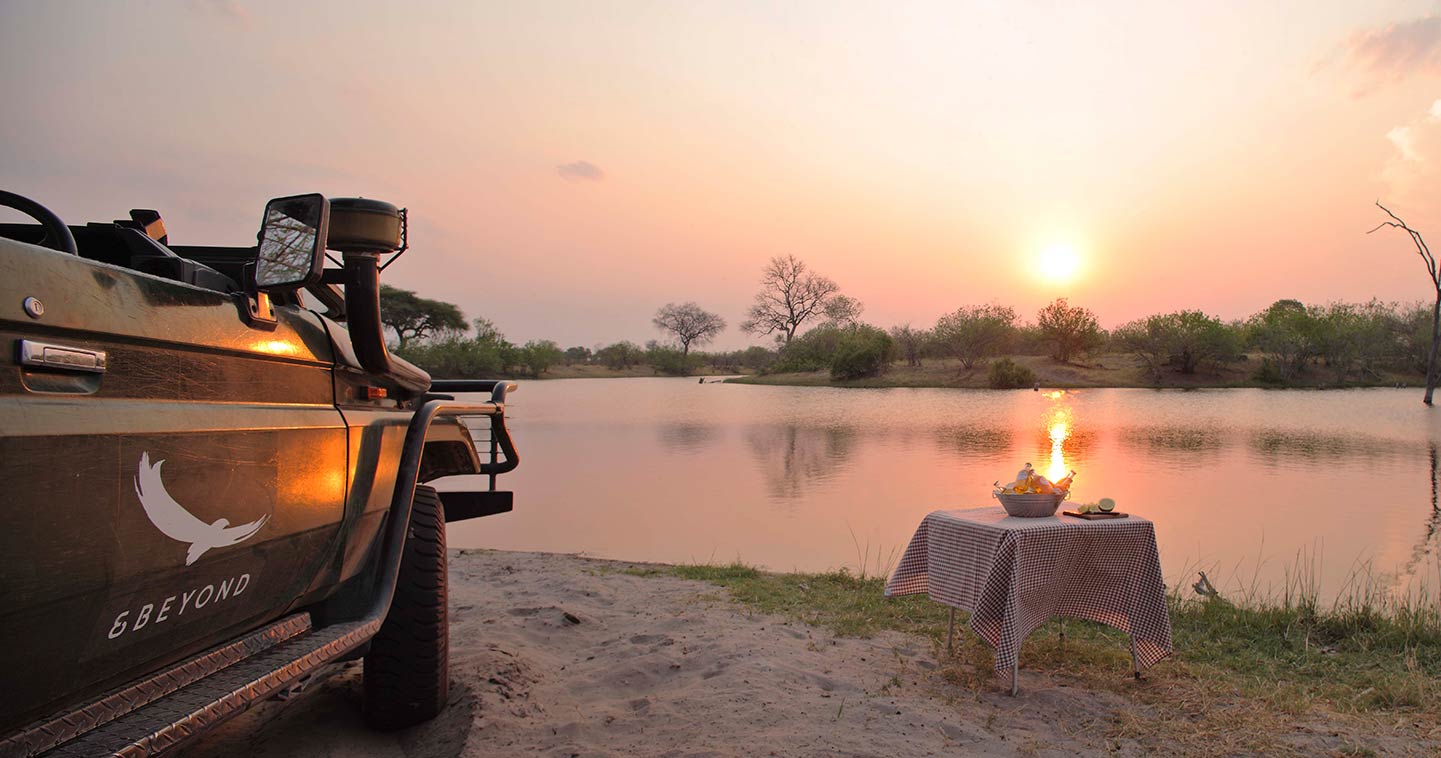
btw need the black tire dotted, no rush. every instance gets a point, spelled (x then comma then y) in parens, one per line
(407, 670)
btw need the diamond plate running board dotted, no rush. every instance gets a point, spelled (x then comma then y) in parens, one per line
(46, 734)
(188, 713)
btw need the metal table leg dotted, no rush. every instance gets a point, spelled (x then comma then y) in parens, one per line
(1135, 663)
(1015, 676)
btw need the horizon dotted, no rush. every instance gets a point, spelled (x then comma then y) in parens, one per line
(570, 170)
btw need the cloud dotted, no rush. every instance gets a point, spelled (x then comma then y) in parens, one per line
(1388, 54)
(1404, 141)
(1413, 172)
(580, 171)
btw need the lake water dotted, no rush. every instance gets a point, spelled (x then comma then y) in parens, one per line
(1245, 484)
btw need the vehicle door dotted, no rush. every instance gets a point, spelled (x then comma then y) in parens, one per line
(173, 474)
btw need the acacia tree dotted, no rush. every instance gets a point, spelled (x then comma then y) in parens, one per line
(690, 324)
(414, 317)
(1287, 331)
(974, 333)
(1189, 340)
(791, 294)
(1149, 339)
(1070, 329)
(1425, 252)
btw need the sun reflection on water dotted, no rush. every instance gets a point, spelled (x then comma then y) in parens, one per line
(1060, 430)
(1059, 424)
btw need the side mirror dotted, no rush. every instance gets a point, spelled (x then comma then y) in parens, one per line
(291, 252)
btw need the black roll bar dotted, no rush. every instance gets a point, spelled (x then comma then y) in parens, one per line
(499, 435)
(496, 387)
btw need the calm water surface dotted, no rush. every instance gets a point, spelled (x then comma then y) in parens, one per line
(1246, 484)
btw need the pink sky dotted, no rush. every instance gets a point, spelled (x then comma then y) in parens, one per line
(571, 167)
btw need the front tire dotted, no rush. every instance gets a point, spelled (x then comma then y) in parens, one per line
(407, 670)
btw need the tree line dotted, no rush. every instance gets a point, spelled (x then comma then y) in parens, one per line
(1337, 342)
(436, 336)
(814, 327)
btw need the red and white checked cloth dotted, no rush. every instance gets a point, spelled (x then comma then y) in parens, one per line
(1013, 574)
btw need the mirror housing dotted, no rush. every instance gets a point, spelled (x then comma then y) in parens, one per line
(290, 251)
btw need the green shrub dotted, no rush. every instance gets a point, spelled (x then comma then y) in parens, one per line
(621, 355)
(537, 356)
(670, 361)
(811, 351)
(863, 351)
(852, 351)
(455, 358)
(1270, 373)
(1006, 374)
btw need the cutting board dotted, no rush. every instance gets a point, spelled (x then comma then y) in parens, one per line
(1095, 516)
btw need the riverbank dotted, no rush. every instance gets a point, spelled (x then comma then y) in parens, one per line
(562, 655)
(585, 371)
(1118, 370)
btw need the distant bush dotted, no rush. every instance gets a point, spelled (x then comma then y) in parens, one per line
(811, 351)
(1030, 340)
(621, 355)
(454, 358)
(1270, 372)
(1006, 374)
(1190, 341)
(975, 333)
(848, 352)
(670, 361)
(537, 356)
(1069, 329)
(863, 351)
(450, 354)
(1414, 337)
(755, 358)
(913, 344)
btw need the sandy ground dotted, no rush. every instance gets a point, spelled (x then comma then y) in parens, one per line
(659, 666)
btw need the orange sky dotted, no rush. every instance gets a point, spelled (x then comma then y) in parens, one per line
(573, 166)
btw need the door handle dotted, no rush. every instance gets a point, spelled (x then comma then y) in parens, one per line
(63, 357)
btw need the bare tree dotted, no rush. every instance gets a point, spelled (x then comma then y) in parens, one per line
(843, 310)
(1425, 252)
(790, 295)
(689, 323)
(912, 342)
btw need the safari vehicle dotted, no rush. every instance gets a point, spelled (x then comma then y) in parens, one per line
(212, 487)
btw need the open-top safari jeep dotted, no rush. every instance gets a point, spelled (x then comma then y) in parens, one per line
(212, 474)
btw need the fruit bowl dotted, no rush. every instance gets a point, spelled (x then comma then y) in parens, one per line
(1031, 506)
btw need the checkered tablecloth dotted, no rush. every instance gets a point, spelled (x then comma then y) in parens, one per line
(1013, 574)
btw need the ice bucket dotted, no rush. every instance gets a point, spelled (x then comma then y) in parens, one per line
(1031, 506)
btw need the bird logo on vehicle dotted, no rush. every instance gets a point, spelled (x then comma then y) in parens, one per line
(178, 524)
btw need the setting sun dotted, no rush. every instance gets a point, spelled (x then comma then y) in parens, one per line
(1059, 263)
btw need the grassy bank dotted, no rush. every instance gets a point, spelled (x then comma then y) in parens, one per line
(1242, 677)
(1108, 370)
